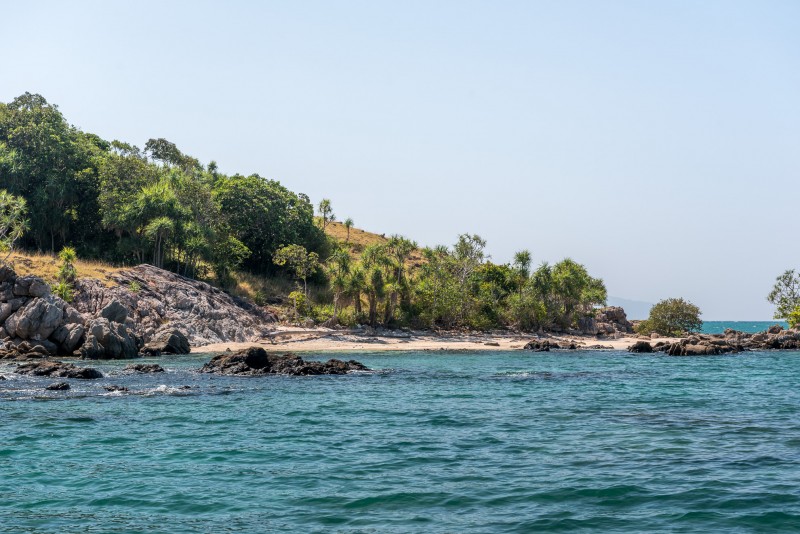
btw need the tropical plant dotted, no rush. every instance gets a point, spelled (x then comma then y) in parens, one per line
(326, 212)
(785, 294)
(348, 223)
(13, 221)
(672, 317)
(302, 262)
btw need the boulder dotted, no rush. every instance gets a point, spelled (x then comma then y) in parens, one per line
(168, 342)
(57, 370)
(143, 368)
(255, 361)
(37, 319)
(537, 346)
(641, 347)
(30, 286)
(108, 341)
(58, 386)
(115, 312)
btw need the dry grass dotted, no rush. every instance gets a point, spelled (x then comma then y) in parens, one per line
(46, 267)
(359, 239)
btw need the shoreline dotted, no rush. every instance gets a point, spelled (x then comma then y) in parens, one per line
(297, 339)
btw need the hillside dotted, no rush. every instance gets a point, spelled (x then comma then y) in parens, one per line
(359, 239)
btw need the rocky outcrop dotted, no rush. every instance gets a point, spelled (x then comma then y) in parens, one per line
(255, 361)
(157, 301)
(612, 320)
(57, 370)
(537, 346)
(144, 368)
(108, 340)
(641, 347)
(732, 341)
(167, 342)
(58, 386)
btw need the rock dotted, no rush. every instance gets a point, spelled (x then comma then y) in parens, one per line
(255, 361)
(7, 273)
(58, 370)
(168, 342)
(775, 329)
(37, 319)
(612, 319)
(144, 368)
(2, 377)
(162, 299)
(30, 286)
(58, 386)
(537, 346)
(587, 326)
(108, 341)
(114, 388)
(492, 344)
(115, 312)
(640, 347)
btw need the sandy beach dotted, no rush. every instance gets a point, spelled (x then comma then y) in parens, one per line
(334, 340)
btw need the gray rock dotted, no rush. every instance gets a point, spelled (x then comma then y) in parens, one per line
(108, 341)
(114, 312)
(57, 369)
(255, 361)
(30, 286)
(35, 320)
(168, 342)
(58, 386)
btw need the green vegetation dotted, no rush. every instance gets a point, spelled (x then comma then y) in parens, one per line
(113, 202)
(672, 317)
(785, 295)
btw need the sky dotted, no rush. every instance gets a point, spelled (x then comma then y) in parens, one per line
(657, 143)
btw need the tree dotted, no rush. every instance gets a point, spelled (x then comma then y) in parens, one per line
(302, 262)
(13, 221)
(794, 318)
(348, 223)
(672, 317)
(522, 266)
(785, 294)
(326, 212)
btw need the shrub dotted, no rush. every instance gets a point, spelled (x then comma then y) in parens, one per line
(794, 318)
(671, 317)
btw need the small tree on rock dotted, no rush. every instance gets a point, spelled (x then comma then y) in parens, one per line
(672, 317)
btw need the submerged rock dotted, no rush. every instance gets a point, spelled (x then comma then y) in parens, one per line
(57, 369)
(115, 387)
(58, 386)
(144, 368)
(255, 361)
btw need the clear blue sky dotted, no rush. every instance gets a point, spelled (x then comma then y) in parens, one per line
(658, 143)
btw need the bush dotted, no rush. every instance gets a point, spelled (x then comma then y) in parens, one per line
(794, 318)
(672, 317)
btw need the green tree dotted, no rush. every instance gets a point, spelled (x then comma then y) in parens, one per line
(302, 262)
(785, 294)
(13, 222)
(348, 223)
(672, 317)
(326, 212)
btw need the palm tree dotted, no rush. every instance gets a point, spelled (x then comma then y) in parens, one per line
(326, 212)
(348, 223)
(522, 265)
(357, 284)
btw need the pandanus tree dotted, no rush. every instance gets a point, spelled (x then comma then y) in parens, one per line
(348, 223)
(338, 270)
(326, 212)
(374, 259)
(13, 221)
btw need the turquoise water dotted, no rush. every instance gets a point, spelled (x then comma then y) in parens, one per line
(434, 442)
(718, 327)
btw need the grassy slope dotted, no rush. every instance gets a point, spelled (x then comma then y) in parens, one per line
(46, 266)
(360, 239)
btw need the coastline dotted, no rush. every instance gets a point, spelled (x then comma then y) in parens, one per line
(297, 339)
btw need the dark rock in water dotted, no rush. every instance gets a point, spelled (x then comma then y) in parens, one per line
(144, 368)
(641, 346)
(2, 377)
(58, 386)
(57, 369)
(537, 346)
(775, 329)
(255, 361)
(168, 342)
(114, 388)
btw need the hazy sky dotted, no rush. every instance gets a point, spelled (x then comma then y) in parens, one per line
(658, 143)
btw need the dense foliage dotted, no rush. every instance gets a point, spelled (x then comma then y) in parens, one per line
(120, 203)
(672, 317)
(117, 202)
(785, 295)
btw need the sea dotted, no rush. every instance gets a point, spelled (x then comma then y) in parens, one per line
(751, 327)
(438, 441)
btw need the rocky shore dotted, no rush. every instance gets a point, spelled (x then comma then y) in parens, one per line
(148, 312)
(255, 361)
(730, 342)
